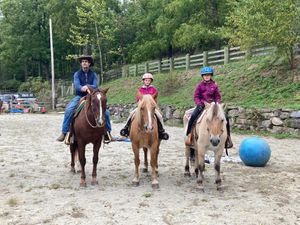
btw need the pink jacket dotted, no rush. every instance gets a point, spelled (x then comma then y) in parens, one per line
(150, 90)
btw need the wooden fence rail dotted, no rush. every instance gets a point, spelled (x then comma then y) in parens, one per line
(222, 56)
(206, 58)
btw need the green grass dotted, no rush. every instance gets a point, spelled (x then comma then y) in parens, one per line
(255, 83)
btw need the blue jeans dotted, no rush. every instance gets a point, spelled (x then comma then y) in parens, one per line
(69, 112)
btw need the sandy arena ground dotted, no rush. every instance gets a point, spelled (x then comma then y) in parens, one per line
(36, 186)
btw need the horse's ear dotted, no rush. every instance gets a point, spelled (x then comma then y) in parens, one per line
(206, 104)
(105, 90)
(223, 105)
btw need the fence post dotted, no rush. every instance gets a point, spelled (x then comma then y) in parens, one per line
(146, 67)
(248, 53)
(135, 69)
(226, 54)
(205, 58)
(171, 60)
(187, 62)
(158, 66)
(124, 71)
(62, 90)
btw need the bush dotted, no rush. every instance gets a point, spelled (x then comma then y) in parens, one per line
(39, 87)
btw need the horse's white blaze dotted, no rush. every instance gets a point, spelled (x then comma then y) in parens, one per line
(100, 109)
(149, 120)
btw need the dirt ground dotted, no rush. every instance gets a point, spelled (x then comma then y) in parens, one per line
(36, 186)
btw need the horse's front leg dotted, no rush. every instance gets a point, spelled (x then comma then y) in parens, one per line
(200, 163)
(72, 151)
(82, 160)
(145, 169)
(96, 148)
(136, 178)
(218, 155)
(154, 150)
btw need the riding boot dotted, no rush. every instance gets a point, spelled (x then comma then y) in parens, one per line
(125, 131)
(61, 138)
(188, 140)
(161, 131)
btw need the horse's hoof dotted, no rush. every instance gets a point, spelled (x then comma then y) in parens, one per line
(72, 170)
(94, 182)
(82, 184)
(200, 188)
(187, 174)
(135, 183)
(145, 170)
(219, 187)
(155, 186)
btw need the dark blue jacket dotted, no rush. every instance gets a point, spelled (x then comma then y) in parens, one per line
(81, 79)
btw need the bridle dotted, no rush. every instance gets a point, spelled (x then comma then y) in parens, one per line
(86, 116)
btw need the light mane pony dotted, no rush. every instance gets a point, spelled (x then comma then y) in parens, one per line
(144, 134)
(209, 134)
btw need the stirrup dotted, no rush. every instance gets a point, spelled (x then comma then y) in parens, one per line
(107, 138)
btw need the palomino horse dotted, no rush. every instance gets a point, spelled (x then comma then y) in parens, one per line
(144, 134)
(209, 134)
(89, 127)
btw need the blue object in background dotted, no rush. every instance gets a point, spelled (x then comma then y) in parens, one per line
(255, 151)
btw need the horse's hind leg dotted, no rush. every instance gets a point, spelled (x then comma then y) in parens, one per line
(136, 179)
(218, 180)
(201, 166)
(187, 172)
(96, 148)
(145, 169)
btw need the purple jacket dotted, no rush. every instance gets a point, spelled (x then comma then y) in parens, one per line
(207, 92)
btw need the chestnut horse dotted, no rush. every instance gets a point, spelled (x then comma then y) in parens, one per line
(89, 127)
(209, 134)
(144, 134)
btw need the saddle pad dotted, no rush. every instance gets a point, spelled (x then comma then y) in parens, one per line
(79, 108)
(188, 114)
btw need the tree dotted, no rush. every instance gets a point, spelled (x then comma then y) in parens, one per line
(259, 23)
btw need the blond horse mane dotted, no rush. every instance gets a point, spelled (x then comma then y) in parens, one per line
(146, 102)
(215, 110)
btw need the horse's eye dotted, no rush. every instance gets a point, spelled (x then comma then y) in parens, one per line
(207, 129)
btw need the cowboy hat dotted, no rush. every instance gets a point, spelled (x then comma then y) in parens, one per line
(88, 58)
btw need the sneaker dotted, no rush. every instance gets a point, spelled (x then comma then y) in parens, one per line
(61, 138)
(124, 132)
(188, 140)
(163, 136)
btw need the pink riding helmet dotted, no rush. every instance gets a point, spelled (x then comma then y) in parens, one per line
(147, 76)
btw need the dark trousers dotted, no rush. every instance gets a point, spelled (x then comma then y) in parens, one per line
(196, 113)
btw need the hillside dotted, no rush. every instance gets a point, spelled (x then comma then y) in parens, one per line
(259, 82)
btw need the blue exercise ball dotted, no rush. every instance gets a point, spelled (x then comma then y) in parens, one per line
(255, 151)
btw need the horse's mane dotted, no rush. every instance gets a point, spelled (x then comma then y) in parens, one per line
(146, 101)
(215, 110)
